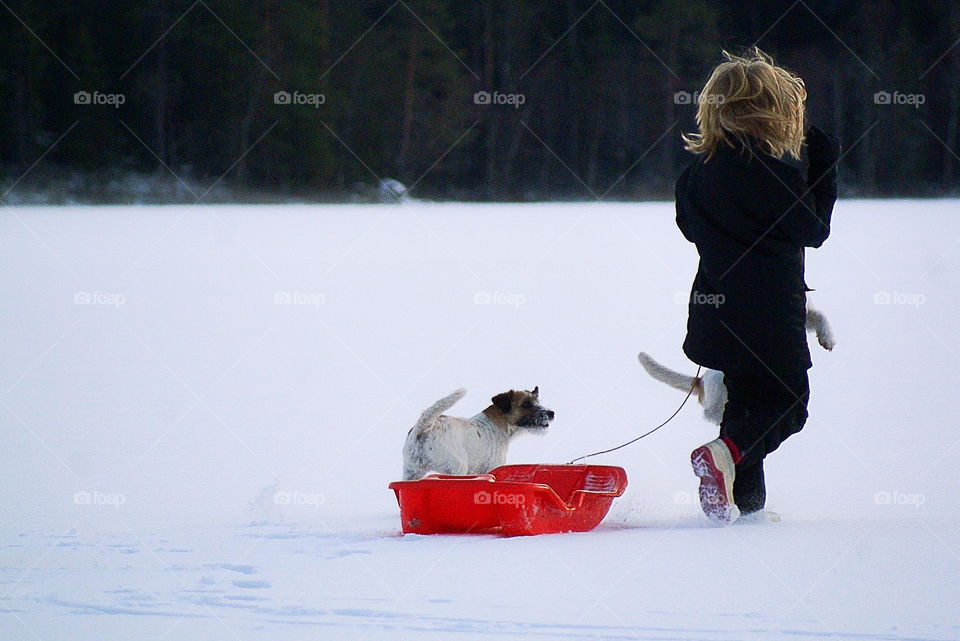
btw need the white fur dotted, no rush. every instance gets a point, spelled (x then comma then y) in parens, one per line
(452, 445)
(709, 388)
(818, 324)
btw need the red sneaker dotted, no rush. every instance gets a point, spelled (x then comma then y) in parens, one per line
(713, 463)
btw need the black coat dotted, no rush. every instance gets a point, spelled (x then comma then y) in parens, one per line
(751, 216)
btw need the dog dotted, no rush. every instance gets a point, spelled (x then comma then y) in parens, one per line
(709, 388)
(461, 446)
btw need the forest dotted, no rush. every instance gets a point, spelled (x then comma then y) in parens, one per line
(467, 99)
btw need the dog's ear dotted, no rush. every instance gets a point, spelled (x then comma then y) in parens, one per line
(503, 401)
(536, 392)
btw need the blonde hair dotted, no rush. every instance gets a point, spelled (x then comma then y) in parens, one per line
(750, 97)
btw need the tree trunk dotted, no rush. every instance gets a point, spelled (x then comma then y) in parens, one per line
(22, 91)
(623, 131)
(592, 161)
(160, 111)
(513, 150)
(950, 139)
(669, 111)
(953, 115)
(569, 108)
(323, 59)
(836, 106)
(489, 128)
(268, 43)
(409, 104)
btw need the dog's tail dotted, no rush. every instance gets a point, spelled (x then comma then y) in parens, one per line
(440, 407)
(666, 375)
(818, 324)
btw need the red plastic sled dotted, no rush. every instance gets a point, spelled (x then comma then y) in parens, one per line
(511, 500)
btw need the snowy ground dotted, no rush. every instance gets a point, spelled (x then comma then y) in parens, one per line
(167, 373)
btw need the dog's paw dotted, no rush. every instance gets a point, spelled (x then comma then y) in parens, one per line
(826, 341)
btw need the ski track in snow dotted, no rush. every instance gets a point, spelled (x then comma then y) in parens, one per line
(207, 590)
(209, 458)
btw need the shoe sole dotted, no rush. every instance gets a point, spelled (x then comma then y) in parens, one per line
(716, 487)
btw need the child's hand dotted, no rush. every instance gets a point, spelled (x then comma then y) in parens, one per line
(823, 149)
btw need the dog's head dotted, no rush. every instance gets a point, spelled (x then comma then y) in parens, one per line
(523, 409)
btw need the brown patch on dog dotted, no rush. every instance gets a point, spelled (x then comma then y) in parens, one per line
(504, 401)
(515, 410)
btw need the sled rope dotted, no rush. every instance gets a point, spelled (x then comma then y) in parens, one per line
(630, 442)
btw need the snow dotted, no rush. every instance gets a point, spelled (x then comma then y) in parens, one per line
(202, 407)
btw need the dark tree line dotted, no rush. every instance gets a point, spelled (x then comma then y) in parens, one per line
(587, 97)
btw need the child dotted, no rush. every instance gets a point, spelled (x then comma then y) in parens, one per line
(746, 206)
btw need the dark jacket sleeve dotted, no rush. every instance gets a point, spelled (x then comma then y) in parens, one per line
(808, 223)
(806, 209)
